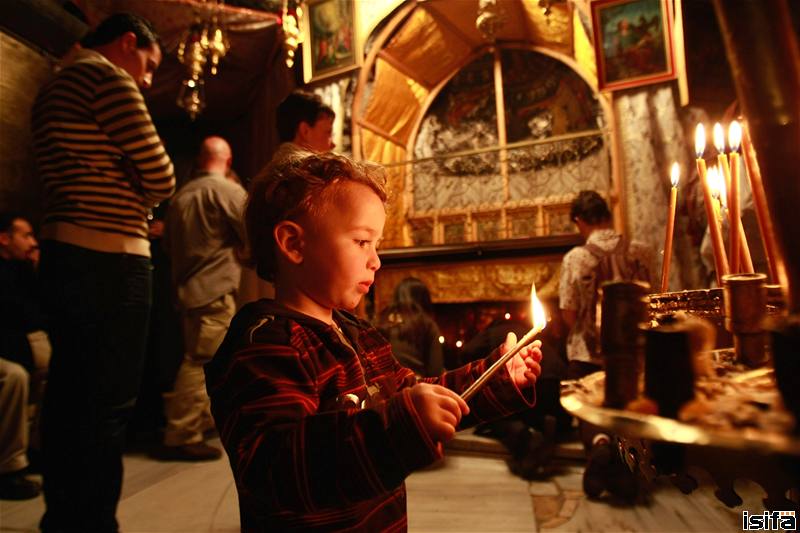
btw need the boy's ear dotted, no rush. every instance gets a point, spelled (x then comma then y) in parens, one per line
(302, 130)
(289, 236)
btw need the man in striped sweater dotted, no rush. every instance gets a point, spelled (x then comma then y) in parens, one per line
(102, 165)
(320, 422)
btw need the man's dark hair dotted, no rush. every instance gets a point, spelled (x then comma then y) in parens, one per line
(7, 219)
(119, 24)
(298, 107)
(589, 207)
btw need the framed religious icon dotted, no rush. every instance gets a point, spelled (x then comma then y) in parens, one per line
(331, 45)
(632, 42)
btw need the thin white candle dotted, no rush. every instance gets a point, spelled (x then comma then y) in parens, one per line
(720, 260)
(739, 245)
(539, 322)
(673, 202)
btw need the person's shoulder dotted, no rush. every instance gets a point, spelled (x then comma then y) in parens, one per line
(260, 322)
(639, 249)
(576, 254)
(86, 70)
(228, 188)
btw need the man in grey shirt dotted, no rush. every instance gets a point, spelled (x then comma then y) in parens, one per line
(204, 228)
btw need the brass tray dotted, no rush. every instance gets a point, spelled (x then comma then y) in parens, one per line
(583, 399)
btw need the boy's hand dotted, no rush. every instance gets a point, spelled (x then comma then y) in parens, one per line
(524, 367)
(439, 408)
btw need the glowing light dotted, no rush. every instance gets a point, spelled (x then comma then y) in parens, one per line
(675, 174)
(719, 138)
(699, 140)
(734, 136)
(537, 311)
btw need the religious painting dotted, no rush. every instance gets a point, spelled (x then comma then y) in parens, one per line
(632, 42)
(330, 47)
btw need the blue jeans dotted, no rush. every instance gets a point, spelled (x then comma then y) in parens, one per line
(99, 306)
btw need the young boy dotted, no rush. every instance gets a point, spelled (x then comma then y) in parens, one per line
(320, 422)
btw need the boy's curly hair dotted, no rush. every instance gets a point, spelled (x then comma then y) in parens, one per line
(298, 187)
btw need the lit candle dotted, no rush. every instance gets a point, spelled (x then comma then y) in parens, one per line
(720, 261)
(740, 248)
(717, 185)
(539, 323)
(722, 159)
(760, 203)
(673, 202)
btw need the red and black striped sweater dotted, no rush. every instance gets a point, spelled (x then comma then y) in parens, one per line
(304, 457)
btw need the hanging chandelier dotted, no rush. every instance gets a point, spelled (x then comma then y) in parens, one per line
(491, 17)
(205, 42)
(292, 34)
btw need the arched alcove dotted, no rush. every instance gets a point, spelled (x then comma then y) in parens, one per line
(501, 149)
(421, 49)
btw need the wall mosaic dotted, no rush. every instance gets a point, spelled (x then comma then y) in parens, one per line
(555, 145)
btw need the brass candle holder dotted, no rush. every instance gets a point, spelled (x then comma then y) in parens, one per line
(669, 372)
(785, 336)
(745, 310)
(623, 309)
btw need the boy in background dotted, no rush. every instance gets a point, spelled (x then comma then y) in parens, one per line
(320, 422)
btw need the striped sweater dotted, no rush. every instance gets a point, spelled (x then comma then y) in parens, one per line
(303, 456)
(99, 157)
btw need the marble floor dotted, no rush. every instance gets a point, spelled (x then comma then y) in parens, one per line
(470, 492)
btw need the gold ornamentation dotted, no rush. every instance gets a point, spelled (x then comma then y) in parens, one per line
(205, 42)
(292, 34)
(497, 280)
(491, 17)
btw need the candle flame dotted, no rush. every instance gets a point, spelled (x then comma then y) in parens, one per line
(719, 138)
(711, 180)
(699, 140)
(734, 136)
(675, 174)
(716, 183)
(537, 311)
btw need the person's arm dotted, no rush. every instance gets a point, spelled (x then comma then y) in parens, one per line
(232, 202)
(292, 456)
(121, 112)
(568, 290)
(498, 398)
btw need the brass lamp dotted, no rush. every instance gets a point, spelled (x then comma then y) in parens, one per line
(205, 41)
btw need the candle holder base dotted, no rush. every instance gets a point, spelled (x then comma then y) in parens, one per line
(750, 348)
(785, 335)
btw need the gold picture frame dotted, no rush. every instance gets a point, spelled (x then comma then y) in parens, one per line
(331, 46)
(633, 43)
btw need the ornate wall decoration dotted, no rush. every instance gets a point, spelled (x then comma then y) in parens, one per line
(462, 174)
(652, 138)
(507, 280)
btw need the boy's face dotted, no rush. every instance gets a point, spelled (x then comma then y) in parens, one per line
(339, 251)
(317, 137)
